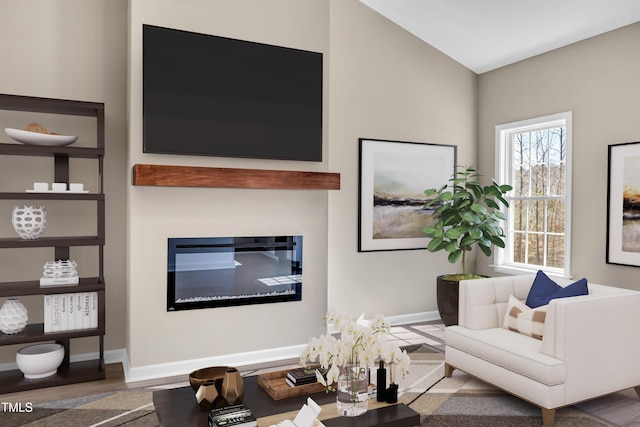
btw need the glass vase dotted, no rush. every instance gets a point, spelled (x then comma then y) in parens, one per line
(352, 391)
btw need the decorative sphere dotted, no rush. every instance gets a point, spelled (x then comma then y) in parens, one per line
(13, 316)
(29, 221)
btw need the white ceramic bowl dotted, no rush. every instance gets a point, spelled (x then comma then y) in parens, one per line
(40, 360)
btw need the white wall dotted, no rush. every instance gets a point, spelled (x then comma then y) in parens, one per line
(69, 49)
(597, 79)
(155, 336)
(380, 82)
(387, 84)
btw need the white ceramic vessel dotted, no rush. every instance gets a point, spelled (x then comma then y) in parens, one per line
(29, 221)
(13, 316)
(40, 360)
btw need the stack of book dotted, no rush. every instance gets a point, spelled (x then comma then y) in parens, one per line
(302, 376)
(68, 312)
(232, 416)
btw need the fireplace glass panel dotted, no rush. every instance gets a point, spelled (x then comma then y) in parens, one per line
(226, 271)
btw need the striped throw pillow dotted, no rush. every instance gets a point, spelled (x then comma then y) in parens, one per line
(520, 318)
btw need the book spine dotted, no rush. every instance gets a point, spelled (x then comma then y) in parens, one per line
(79, 310)
(86, 310)
(71, 321)
(48, 313)
(94, 310)
(64, 312)
(64, 281)
(56, 314)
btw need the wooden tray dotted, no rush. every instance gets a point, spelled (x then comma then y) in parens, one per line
(275, 385)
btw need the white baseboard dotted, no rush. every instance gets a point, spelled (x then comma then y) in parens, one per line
(184, 367)
(404, 319)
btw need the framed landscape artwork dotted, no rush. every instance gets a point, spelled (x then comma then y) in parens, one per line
(623, 202)
(393, 177)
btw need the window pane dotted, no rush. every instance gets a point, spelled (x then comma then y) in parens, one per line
(555, 251)
(518, 213)
(539, 180)
(555, 216)
(557, 180)
(536, 216)
(536, 249)
(519, 248)
(520, 181)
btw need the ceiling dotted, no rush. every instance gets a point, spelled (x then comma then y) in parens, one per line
(484, 35)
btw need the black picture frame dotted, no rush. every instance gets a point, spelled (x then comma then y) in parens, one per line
(392, 178)
(623, 208)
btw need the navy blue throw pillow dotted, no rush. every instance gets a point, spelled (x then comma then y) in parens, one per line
(541, 289)
(544, 290)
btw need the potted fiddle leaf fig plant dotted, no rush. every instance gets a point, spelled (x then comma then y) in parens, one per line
(468, 214)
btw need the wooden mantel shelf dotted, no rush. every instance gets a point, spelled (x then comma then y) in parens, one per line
(195, 176)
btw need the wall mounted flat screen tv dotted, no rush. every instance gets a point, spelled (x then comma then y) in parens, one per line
(216, 96)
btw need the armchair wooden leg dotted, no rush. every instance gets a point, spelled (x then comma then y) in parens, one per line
(548, 416)
(448, 370)
(637, 389)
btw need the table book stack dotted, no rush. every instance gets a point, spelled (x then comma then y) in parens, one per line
(302, 376)
(68, 312)
(232, 416)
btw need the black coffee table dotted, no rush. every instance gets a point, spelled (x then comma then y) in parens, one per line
(178, 408)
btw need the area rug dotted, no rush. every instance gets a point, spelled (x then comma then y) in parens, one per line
(464, 401)
(451, 402)
(132, 408)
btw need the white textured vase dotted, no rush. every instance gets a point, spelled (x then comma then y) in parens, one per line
(13, 316)
(29, 221)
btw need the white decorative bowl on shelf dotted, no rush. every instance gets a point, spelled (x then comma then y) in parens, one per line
(40, 360)
(36, 138)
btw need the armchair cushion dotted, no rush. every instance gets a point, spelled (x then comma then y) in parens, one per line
(523, 319)
(544, 290)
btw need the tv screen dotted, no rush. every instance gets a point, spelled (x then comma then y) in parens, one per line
(216, 96)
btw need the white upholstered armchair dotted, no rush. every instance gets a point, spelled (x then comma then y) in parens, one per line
(590, 345)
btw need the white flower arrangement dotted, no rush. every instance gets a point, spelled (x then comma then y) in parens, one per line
(360, 344)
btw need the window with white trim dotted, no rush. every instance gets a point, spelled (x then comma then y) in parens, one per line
(534, 157)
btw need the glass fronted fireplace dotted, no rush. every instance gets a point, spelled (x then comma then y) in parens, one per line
(225, 271)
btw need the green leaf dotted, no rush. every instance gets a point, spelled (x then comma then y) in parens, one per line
(492, 204)
(503, 200)
(446, 196)
(470, 217)
(454, 232)
(475, 233)
(466, 241)
(479, 209)
(497, 241)
(432, 232)
(485, 249)
(500, 215)
(452, 246)
(493, 228)
(434, 244)
(453, 256)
